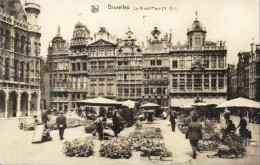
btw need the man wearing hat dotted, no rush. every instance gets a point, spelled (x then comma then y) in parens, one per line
(61, 122)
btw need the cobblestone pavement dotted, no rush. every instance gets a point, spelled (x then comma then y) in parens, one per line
(16, 147)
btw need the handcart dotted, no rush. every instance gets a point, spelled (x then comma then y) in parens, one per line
(26, 123)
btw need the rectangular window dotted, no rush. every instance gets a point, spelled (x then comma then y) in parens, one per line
(125, 76)
(206, 81)
(206, 62)
(78, 66)
(146, 90)
(138, 90)
(182, 62)
(221, 81)
(221, 62)
(175, 64)
(159, 90)
(175, 82)
(132, 90)
(188, 63)
(120, 90)
(159, 62)
(189, 81)
(152, 62)
(213, 62)
(182, 81)
(85, 66)
(213, 81)
(197, 81)
(126, 90)
(73, 67)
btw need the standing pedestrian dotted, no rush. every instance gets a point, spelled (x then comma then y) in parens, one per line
(116, 124)
(250, 116)
(100, 128)
(45, 118)
(164, 115)
(172, 120)
(194, 133)
(242, 125)
(61, 122)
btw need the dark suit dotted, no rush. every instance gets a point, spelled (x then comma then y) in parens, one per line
(61, 122)
(45, 118)
(173, 123)
(194, 132)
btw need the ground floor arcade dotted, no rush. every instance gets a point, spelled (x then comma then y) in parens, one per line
(17, 103)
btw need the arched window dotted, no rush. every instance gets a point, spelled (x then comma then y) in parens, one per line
(27, 72)
(1, 38)
(16, 70)
(16, 40)
(7, 69)
(22, 72)
(22, 44)
(1, 67)
(7, 40)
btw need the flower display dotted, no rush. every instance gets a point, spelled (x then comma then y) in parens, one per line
(78, 148)
(234, 145)
(116, 148)
(71, 123)
(208, 145)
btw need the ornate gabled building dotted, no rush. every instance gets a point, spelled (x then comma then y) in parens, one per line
(128, 69)
(156, 69)
(101, 65)
(78, 71)
(197, 69)
(57, 80)
(20, 60)
(245, 78)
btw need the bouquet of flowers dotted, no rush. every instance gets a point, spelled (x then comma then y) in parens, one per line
(78, 148)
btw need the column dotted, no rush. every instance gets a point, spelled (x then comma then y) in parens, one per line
(18, 110)
(38, 110)
(29, 105)
(6, 105)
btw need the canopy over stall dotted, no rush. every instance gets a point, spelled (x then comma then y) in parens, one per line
(100, 101)
(239, 102)
(149, 105)
(129, 103)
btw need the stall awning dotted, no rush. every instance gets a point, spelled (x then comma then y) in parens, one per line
(183, 101)
(180, 102)
(216, 101)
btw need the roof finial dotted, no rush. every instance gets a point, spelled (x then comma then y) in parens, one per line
(196, 13)
(58, 31)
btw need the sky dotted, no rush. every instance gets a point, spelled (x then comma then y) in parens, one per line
(235, 21)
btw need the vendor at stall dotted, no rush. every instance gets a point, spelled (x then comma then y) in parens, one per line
(242, 125)
(116, 123)
(230, 128)
(100, 128)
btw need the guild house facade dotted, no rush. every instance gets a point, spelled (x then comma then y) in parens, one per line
(20, 60)
(119, 68)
